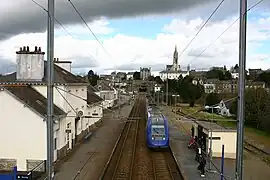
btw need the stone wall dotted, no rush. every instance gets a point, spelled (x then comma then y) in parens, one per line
(36, 165)
(7, 164)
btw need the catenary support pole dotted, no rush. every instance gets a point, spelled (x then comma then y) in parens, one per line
(167, 90)
(211, 140)
(50, 83)
(241, 89)
(222, 163)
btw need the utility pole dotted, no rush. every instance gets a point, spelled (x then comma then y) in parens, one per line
(50, 84)
(119, 102)
(158, 98)
(167, 90)
(241, 89)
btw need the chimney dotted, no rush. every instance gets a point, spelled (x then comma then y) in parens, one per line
(28, 70)
(39, 49)
(63, 64)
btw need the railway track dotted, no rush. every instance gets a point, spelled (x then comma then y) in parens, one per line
(165, 166)
(265, 156)
(119, 165)
(131, 159)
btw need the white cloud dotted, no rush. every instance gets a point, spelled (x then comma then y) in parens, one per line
(99, 27)
(126, 50)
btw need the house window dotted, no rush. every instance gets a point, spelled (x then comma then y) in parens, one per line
(215, 138)
(55, 143)
(94, 114)
(69, 90)
(68, 125)
(104, 97)
(82, 89)
(76, 90)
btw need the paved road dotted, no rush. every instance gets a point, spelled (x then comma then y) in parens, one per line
(88, 161)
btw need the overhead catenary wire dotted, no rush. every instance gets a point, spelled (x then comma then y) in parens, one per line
(77, 11)
(199, 55)
(62, 26)
(187, 132)
(67, 101)
(221, 2)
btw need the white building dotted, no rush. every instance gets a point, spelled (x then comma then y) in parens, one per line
(108, 93)
(25, 92)
(210, 85)
(173, 71)
(220, 136)
(130, 75)
(157, 88)
(145, 73)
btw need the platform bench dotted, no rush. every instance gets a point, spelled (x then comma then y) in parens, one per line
(88, 136)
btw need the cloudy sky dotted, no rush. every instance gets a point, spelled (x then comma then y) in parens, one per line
(135, 33)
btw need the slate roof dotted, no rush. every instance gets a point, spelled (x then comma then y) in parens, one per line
(91, 88)
(61, 76)
(34, 99)
(92, 97)
(102, 86)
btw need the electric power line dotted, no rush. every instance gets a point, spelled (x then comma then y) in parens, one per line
(62, 26)
(253, 6)
(202, 27)
(74, 7)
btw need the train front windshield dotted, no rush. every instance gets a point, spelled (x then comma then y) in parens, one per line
(158, 132)
(158, 128)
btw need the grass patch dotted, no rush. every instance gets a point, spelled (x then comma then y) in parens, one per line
(251, 134)
(195, 112)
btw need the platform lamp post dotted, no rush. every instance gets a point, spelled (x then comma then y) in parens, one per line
(211, 133)
(175, 98)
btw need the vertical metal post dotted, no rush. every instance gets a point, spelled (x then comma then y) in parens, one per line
(158, 98)
(50, 83)
(167, 90)
(222, 163)
(154, 94)
(175, 106)
(241, 89)
(119, 103)
(211, 139)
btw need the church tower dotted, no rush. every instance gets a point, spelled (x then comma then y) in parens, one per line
(175, 60)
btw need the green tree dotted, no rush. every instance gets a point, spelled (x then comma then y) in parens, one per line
(137, 75)
(219, 74)
(151, 78)
(256, 108)
(158, 80)
(188, 91)
(265, 77)
(92, 77)
(212, 99)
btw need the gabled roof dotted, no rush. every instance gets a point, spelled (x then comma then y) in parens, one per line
(92, 97)
(227, 103)
(61, 76)
(33, 99)
(91, 88)
(102, 86)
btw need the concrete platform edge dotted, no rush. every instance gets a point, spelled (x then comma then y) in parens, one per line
(179, 167)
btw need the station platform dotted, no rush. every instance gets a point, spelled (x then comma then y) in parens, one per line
(186, 159)
(254, 167)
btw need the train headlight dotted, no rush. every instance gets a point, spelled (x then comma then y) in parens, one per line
(163, 138)
(153, 138)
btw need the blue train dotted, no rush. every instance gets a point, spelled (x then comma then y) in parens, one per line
(157, 130)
